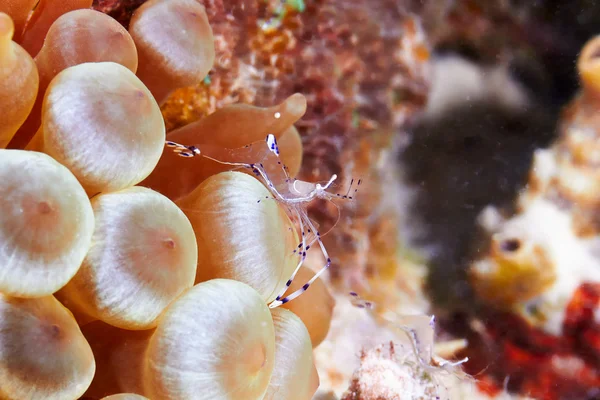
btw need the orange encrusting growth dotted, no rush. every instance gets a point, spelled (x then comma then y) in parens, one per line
(100, 121)
(18, 82)
(231, 127)
(44, 15)
(314, 308)
(143, 256)
(76, 37)
(175, 44)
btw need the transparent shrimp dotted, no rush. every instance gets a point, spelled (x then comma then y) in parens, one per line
(420, 331)
(293, 194)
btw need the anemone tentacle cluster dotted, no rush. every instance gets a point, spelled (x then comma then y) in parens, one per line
(363, 68)
(108, 288)
(144, 275)
(164, 235)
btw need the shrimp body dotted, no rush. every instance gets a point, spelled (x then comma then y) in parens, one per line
(293, 194)
(304, 192)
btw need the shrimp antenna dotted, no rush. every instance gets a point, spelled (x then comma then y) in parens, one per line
(347, 195)
(256, 167)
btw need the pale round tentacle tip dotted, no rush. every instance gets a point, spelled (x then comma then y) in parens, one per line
(172, 58)
(228, 219)
(113, 135)
(222, 317)
(293, 377)
(85, 35)
(43, 353)
(46, 224)
(143, 256)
